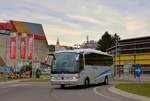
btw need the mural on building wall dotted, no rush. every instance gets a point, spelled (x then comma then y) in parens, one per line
(13, 47)
(30, 46)
(23, 46)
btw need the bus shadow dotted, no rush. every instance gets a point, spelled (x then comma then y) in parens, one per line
(80, 87)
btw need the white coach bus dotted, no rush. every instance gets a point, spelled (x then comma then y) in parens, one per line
(80, 67)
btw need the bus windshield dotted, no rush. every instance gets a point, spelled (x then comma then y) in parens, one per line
(64, 62)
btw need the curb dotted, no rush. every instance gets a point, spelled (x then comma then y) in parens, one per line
(12, 81)
(17, 81)
(128, 95)
(9, 82)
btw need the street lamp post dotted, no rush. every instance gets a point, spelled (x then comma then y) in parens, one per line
(116, 57)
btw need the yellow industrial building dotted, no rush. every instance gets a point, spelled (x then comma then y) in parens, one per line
(132, 51)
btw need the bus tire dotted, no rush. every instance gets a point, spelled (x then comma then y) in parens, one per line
(106, 80)
(62, 86)
(86, 82)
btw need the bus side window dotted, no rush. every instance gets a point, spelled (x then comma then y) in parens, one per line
(81, 63)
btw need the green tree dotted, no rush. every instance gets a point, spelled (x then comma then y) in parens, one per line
(107, 41)
(115, 39)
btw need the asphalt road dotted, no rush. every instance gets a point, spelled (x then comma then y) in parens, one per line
(42, 91)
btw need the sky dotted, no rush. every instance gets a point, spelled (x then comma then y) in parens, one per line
(73, 20)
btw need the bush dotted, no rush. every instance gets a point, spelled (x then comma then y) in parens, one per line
(38, 73)
(29, 67)
(22, 70)
(26, 68)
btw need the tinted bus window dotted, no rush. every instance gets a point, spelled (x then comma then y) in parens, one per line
(98, 60)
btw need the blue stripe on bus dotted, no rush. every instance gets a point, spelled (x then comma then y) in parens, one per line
(106, 72)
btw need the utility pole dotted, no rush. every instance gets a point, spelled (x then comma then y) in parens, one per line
(33, 53)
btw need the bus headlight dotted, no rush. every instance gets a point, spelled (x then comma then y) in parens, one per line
(52, 77)
(74, 77)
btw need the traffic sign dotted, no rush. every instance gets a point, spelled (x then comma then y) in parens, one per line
(138, 70)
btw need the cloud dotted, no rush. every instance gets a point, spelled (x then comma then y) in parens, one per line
(73, 20)
(136, 26)
(134, 23)
(85, 18)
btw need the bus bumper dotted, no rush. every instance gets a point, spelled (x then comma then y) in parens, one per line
(65, 82)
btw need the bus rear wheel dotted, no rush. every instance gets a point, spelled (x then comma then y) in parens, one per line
(106, 80)
(62, 86)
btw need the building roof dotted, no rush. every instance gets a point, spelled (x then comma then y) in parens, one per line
(136, 38)
(22, 27)
(27, 27)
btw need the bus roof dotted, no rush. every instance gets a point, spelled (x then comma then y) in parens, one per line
(85, 51)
